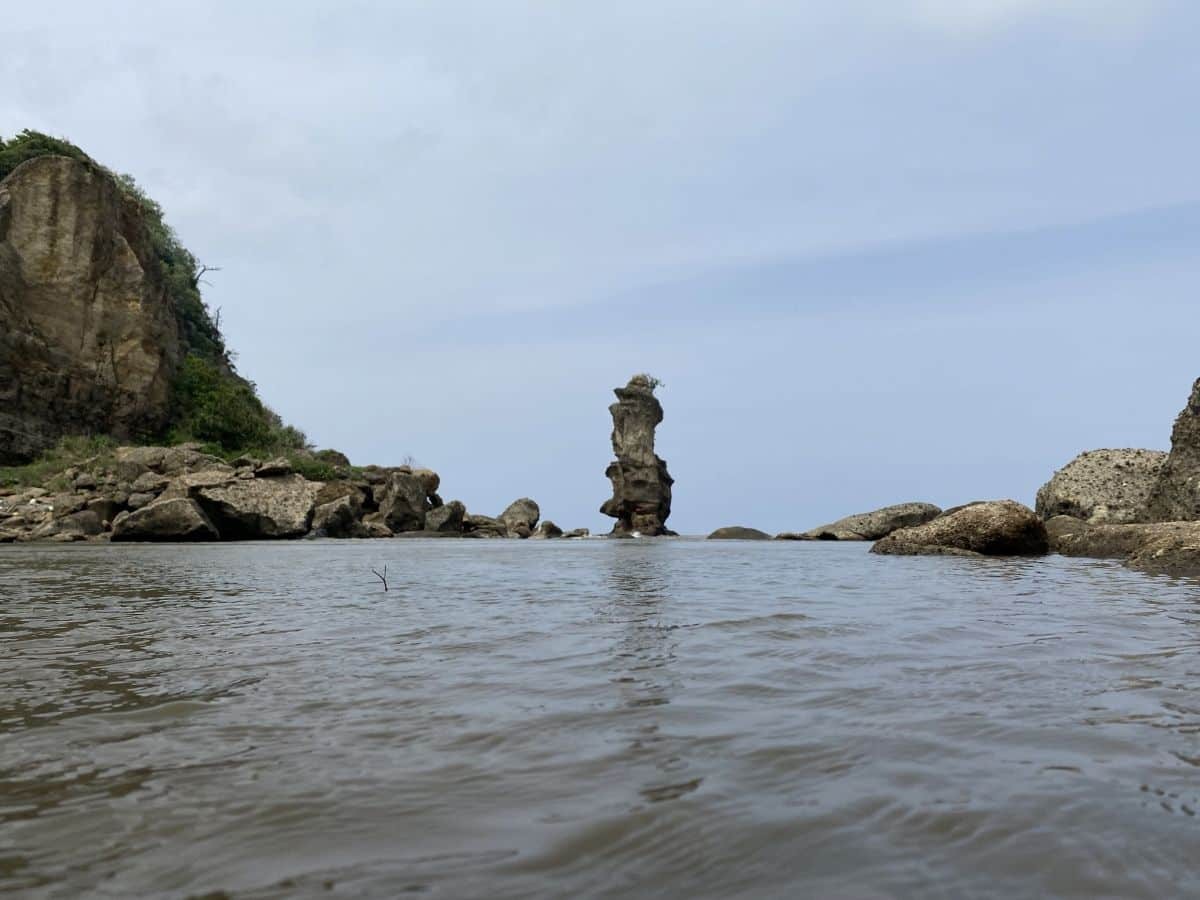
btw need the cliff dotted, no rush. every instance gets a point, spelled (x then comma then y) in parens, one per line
(89, 339)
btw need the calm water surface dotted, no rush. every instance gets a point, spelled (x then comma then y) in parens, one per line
(593, 719)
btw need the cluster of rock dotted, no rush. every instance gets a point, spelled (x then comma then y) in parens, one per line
(641, 500)
(89, 341)
(869, 526)
(183, 494)
(1142, 506)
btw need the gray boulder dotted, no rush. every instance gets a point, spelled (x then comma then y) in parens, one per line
(1102, 486)
(869, 526)
(447, 518)
(180, 519)
(546, 531)
(261, 508)
(520, 518)
(401, 498)
(338, 518)
(990, 528)
(1175, 495)
(738, 533)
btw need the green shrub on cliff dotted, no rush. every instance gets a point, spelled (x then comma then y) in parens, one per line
(45, 471)
(212, 406)
(31, 144)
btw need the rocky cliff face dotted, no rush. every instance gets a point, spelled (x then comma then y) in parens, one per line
(641, 498)
(89, 341)
(1175, 495)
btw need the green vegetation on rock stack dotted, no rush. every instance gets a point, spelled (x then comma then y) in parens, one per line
(210, 402)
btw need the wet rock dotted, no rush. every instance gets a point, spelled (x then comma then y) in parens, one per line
(447, 518)
(869, 526)
(262, 508)
(738, 533)
(990, 528)
(1175, 495)
(1102, 486)
(1177, 554)
(641, 500)
(520, 517)
(179, 519)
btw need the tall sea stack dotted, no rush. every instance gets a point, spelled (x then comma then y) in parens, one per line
(641, 500)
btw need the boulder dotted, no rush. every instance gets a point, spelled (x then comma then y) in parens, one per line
(1175, 494)
(149, 483)
(430, 480)
(1177, 554)
(274, 468)
(641, 500)
(869, 526)
(179, 519)
(137, 501)
(520, 517)
(338, 518)
(1102, 486)
(447, 518)
(991, 528)
(74, 526)
(577, 533)
(483, 527)
(261, 508)
(401, 499)
(546, 531)
(738, 533)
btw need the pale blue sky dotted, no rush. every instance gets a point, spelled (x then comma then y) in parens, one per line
(913, 250)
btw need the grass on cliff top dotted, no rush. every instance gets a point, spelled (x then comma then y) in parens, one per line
(46, 471)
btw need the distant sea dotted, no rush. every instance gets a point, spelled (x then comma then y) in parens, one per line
(646, 718)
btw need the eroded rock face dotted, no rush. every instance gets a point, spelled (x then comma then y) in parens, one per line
(260, 508)
(402, 500)
(180, 519)
(1175, 495)
(520, 517)
(990, 528)
(1102, 486)
(88, 339)
(641, 500)
(869, 526)
(447, 518)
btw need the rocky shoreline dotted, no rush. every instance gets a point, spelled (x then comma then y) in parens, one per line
(149, 494)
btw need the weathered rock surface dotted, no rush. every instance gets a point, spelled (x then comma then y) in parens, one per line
(402, 500)
(1175, 495)
(446, 519)
(260, 508)
(338, 518)
(641, 500)
(1171, 548)
(1102, 486)
(180, 519)
(89, 341)
(738, 533)
(483, 527)
(990, 528)
(520, 517)
(869, 526)
(546, 531)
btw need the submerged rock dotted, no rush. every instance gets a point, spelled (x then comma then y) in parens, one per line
(989, 528)
(180, 519)
(869, 526)
(1175, 495)
(738, 533)
(1102, 486)
(641, 500)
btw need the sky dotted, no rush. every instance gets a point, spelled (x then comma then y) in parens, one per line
(876, 251)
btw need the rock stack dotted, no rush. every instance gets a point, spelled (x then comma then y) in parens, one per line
(641, 500)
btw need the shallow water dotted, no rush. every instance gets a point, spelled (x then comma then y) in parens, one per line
(593, 719)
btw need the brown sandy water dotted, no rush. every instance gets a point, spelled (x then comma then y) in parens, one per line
(593, 719)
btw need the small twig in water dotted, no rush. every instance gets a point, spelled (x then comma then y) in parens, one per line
(382, 577)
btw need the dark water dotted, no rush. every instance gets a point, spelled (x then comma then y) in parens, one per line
(593, 719)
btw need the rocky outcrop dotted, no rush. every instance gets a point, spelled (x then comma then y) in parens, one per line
(547, 531)
(180, 519)
(1171, 548)
(641, 500)
(1175, 495)
(403, 501)
(520, 517)
(738, 533)
(446, 519)
(89, 341)
(260, 508)
(990, 528)
(869, 526)
(1102, 486)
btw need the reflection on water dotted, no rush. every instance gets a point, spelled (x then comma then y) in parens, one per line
(627, 718)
